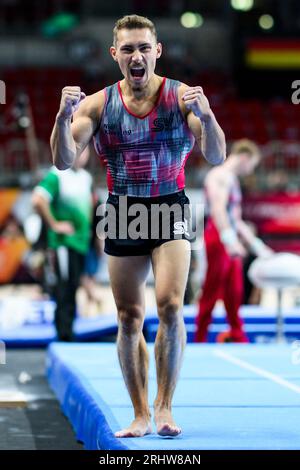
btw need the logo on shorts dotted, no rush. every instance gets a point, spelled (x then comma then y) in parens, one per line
(181, 228)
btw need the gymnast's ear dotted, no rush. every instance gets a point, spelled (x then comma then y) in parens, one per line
(158, 50)
(113, 53)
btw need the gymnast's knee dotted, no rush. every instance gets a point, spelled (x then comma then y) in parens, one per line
(170, 310)
(130, 318)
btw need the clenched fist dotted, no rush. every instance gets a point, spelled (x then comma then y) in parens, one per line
(196, 101)
(71, 97)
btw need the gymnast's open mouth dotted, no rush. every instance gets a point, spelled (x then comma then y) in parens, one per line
(137, 72)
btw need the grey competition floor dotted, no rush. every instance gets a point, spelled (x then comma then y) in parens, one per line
(40, 425)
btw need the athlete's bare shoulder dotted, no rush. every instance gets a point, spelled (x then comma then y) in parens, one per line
(92, 106)
(220, 176)
(181, 90)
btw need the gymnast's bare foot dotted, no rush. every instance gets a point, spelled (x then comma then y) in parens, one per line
(138, 428)
(165, 424)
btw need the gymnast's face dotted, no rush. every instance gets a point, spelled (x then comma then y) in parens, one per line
(136, 52)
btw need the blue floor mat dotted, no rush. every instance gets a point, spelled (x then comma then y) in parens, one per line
(219, 402)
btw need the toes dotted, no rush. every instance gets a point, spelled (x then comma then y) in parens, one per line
(124, 434)
(168, 430)
(132, 433)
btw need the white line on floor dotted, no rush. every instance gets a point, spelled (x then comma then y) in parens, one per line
(256, 370)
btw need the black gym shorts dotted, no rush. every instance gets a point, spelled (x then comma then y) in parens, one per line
(140, 232)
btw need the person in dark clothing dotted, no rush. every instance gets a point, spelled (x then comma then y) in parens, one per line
(64, 200)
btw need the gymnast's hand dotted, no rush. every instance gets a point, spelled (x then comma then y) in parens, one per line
(71, 97)
(62, 227)
(196, 101)
(236, 250)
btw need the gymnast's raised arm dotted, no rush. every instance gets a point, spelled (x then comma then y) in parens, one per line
(75, 124)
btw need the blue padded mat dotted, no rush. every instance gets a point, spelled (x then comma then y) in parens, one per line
(260, 325)
(228, 397)
(41, 334)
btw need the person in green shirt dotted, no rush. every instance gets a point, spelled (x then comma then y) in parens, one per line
(64, 200)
